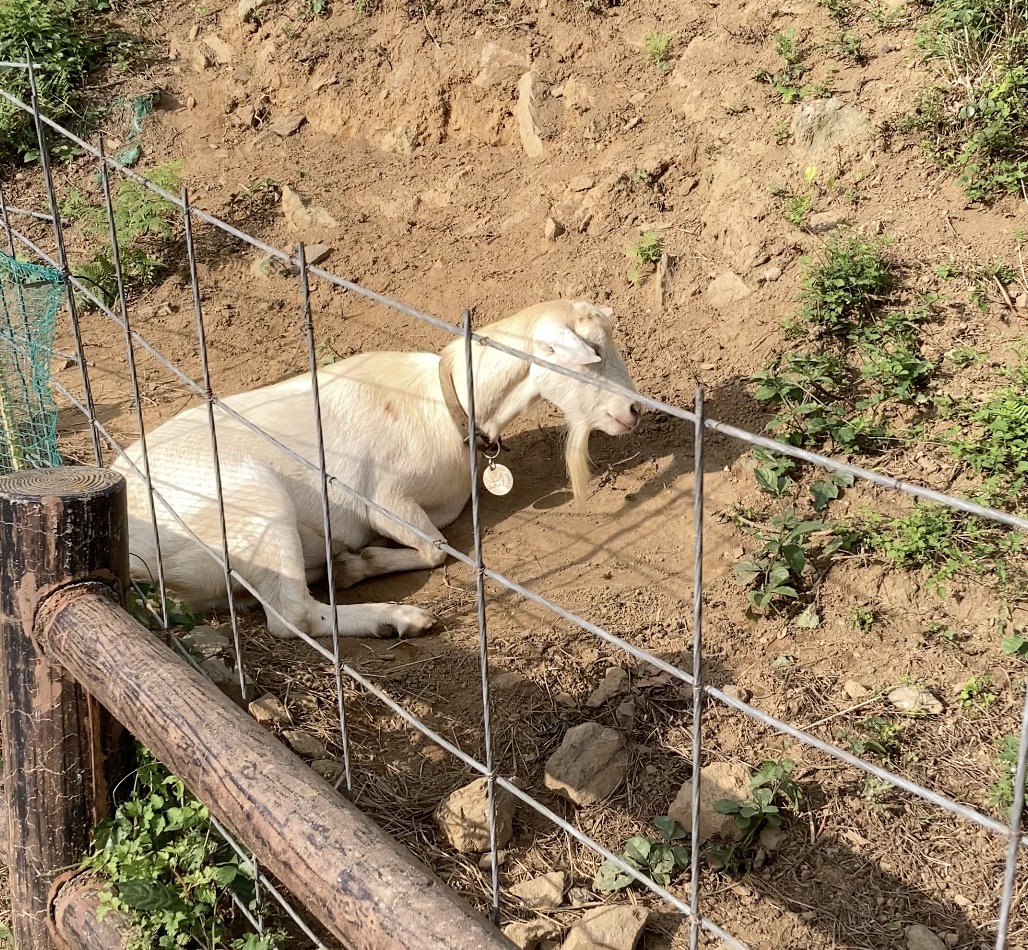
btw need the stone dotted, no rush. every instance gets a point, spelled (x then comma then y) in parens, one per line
(509, 681)
(486, 861)
(565, 699)
(300, 217)
(316, 253)
(287, 125)
(615, 682)
(463, 817)
(528, 934)
(226, 679)
(497, 63)
(591, 762)
(625, 713)
(726, 289)
(553, 229)
(269, 709)
(329, 769)
(855, 690)
(204, 642)
(770, 274)
(821, 222)
(821, 125)
(717, 781)
(915, 700)
(268, 266)
(527, 114)
(919, 937)
(247, 8)
(303, 743)
(770, 839)
(219, 48)
(739, 693)
(612, 927)
(544, 891)
(581, 183)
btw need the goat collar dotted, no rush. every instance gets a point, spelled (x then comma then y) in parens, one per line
(457, 412)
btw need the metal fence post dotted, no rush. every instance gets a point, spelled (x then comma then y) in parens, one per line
(62, 752)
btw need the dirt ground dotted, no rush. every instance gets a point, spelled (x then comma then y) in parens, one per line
(411, 142)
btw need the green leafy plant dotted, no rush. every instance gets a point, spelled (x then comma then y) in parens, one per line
(143, 222)
(658, 50)
(69, 41)
(773, 472)
(862, 619)
(168, 868)
(786, 545)
(660, 859)
(786, 79)
(144, 603)
(976, 694)
(644, 253)
(824, 491)
(877, 736)
(773, 789)
(851, 45)
(1002, 791)
(979, 49)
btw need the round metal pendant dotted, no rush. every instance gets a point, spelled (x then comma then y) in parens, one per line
(498, 479)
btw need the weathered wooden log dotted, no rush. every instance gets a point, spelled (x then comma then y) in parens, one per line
(359, 882)
(61, 750)
(74, 904)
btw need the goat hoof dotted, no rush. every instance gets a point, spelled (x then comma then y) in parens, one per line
(412, 622)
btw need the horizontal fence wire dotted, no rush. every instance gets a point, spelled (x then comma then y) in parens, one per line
(700, 421)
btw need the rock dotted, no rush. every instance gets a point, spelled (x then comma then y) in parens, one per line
(528, 934)
(219, 49)
(463, 817)
(303, 743)
(662, 280)
(821, 125)
(581, 183)
(769, 274)
(855, 690)
(1021, 302)
(226, 679)
(527, 115)
(508, 681)
(565, 699)
(287, 125)
(486, 861)
(204, 642)
(268, 709)
(951, 939)
(268, 266)
(544, 891)
(625, 714)
(915, 700)
(591, 762)
(497, 63)
(822, 222)
(614, 684)
(329, 769)
(740, 693)
(612, 927)
(726, 289)
(316, 253)
(247, 8)
(402, 140)
(576, 94)
(770, 839)
(717, 781)
(299, 217)
(919, 937)
(553, 229)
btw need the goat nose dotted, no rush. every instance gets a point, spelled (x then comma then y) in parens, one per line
(634, 411)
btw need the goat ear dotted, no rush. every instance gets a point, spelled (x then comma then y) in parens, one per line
(572, 350)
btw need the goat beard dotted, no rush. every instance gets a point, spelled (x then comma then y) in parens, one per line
(576, 456)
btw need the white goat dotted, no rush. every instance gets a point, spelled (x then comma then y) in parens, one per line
(394, 429)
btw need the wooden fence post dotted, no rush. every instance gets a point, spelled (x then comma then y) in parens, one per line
(62, 752)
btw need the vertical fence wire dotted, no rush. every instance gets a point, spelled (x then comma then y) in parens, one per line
(62, 257)
(205, 372)
(697, 674)
(483, 631)
(326, 512)
(105, 185)
(1014, 841)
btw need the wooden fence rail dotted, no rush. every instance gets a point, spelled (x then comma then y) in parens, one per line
(69, 649)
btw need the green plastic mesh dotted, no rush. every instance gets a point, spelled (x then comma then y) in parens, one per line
(30, 296)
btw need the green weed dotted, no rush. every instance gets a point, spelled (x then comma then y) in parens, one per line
(143, 222)
(786, 80)
(773, 789)
(658, 50)
(1001, 794)
(644, 253)
(69, 40)
(976, 694)
(875, 736)
(661, 859)
(169, 869)
(862, 619)
(976, 120)
(851, 45)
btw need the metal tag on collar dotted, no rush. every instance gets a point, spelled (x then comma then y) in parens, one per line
(496, 478)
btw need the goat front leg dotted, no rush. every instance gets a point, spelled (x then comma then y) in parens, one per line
(374, 560)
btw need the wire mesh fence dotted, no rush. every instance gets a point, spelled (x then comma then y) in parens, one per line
(345, 674)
